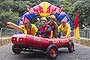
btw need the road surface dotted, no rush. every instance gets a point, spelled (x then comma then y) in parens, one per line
(80, 53)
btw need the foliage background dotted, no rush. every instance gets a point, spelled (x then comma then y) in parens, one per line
(12, 10)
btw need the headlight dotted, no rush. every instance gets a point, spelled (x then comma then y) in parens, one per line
(14, 38)
(21, 39)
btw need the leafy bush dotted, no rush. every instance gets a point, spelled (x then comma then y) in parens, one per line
(8, 16)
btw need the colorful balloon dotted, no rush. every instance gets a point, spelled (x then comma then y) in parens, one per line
(45, 9)
(44, 6)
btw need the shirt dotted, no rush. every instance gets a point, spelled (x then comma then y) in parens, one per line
(66, 30)
(32, 30)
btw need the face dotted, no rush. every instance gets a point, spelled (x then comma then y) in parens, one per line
(63, 24)
(43, 23)
(52, 20)
(27, 25)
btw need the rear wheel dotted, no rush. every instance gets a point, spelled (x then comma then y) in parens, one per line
(16, 49)
(71, 47)
(52, 51)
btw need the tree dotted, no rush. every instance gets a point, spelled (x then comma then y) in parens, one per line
(8, 16)
(83, 8)
(12, 10)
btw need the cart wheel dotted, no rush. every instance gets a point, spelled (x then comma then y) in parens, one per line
(16, 49)
(71, 47)
(52, 51)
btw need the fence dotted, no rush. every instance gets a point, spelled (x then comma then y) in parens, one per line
(6, 32)
(85, 33)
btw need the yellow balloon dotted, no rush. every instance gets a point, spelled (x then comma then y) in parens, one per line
(44, 5)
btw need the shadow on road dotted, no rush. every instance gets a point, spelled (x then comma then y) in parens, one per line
(38, 55)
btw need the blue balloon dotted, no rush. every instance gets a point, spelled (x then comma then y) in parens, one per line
(30, 16)
(56, 14)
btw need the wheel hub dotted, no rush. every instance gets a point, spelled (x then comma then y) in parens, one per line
(53, 52)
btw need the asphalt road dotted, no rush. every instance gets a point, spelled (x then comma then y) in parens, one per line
(80, 53)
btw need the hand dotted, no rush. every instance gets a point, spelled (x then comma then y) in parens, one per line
(63, 37)
(39, 32)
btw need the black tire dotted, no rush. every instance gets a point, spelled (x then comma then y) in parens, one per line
(16, 49)
(52, 51)
(70, 46)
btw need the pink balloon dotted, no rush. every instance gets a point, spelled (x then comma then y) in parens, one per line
(28, 7)
(53, 9)
(58, 10)
(49, 9)
(31, 11)
(36, 9)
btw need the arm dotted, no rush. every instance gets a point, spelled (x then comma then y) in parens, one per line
(56, 30)
(24, 29)
(68, 31)
(34, 30)
(59, 28)
(48, 30)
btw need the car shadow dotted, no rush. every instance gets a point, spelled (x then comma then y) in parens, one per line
(39, 55)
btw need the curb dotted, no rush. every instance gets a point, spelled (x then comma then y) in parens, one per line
(5, 40)
(83, 41)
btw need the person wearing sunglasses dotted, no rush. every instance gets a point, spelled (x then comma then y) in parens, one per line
(45, 30)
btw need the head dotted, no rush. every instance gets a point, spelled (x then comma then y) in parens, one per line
(52, 18)
(27, 24)
(43, 21)
(64, 21)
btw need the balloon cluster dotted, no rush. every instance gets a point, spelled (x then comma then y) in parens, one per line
(44, 9)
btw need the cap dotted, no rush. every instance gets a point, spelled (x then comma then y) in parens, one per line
(25, 20)
(64, 19)
(44, 19)
(52, 17)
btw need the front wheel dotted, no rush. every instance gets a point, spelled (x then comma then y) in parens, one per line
(71, 46)
(52, 51)
(16, 49)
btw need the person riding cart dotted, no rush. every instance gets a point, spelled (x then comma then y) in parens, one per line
(53, 25)
(65, 28)
(45, 30)
(28, 28)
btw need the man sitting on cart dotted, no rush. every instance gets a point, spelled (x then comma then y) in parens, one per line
(53, 25)
(65, 28)
(45, 29)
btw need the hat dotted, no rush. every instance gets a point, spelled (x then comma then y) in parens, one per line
(43, 19)
(52, 17)
(64, 19)
(25, 20)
